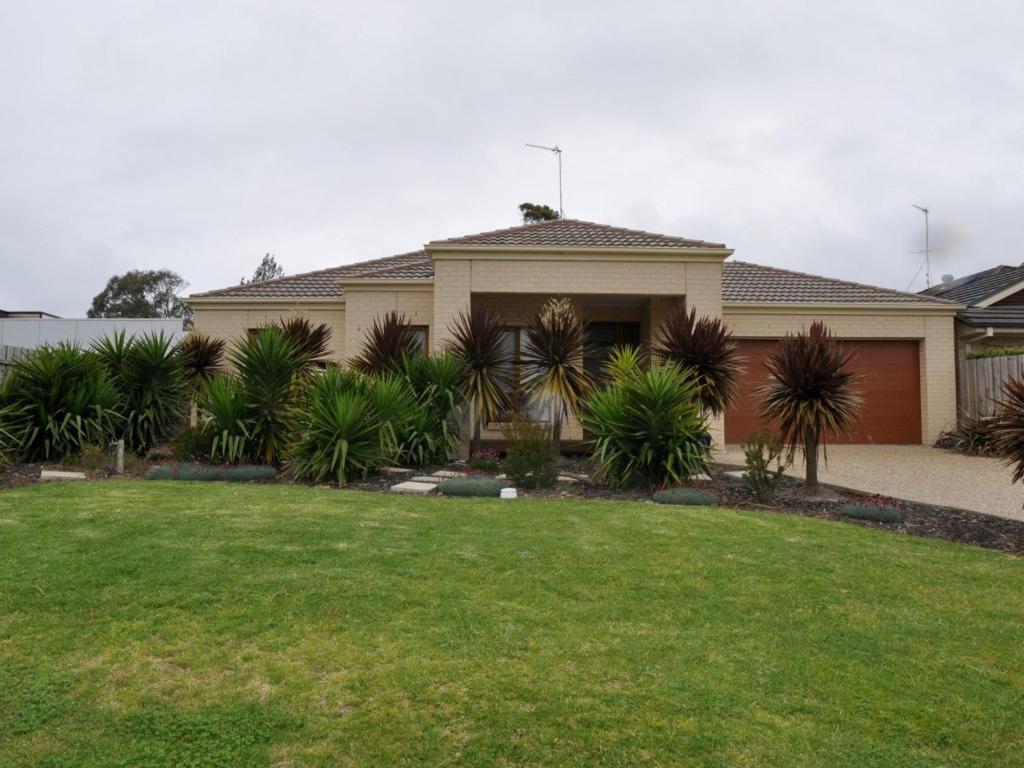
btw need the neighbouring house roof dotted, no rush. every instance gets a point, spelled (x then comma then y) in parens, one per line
(743, 282)
(573, 233)
(995, 317)
(974, 289)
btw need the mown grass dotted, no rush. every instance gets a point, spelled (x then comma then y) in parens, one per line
(208, 624)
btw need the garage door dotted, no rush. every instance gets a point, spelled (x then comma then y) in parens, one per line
(890, 386)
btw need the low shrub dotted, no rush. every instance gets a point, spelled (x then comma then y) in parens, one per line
(485, 460)
(698, 497)
(877, 512)
(974, 436)
(649, 429)
(191, 444)
(471, 486)
(1009, 351)
(765, 464)
(530, 461)
(194, 471)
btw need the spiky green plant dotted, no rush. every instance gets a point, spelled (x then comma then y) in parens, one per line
(394, 404)
(437, 381)
(56, 401)
(147, 373)
(225, 416)
(811, 393)
(551, 362)
(312, 342)
(707, 348)
(389, 340)
(476, 341)
(1008, 428)
(267, 364)
(624, 362)
(648, 429)
(339, 434)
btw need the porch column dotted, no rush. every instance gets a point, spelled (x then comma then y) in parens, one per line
(704, 293)
(452, 295)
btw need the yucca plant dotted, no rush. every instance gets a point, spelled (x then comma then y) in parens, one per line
(624, 362)
(339, 434)
(551, 362)
(811, 393)
(147, 374)
(648, 429)
(705, 347)
(1008, 429)
(389, 340)
(393, 403)
(312, 342)
(267, 364)
(226, 418)
(437, 381)
(56, 401)
(476, 341)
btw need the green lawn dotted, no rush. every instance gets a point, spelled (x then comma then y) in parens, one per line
(187, 624)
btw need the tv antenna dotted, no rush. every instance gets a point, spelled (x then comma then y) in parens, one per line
(558, 153)
(927, 247)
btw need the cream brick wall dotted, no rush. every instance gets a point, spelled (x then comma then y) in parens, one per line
(363, 304)
(452, 291)
(231, 321)
(933, 330)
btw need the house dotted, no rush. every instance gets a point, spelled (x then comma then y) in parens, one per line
(624, 282)
(993, 314)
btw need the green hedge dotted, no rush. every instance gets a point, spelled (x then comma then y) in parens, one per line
(471, 486)
(884, 513)
(187, 470)
(995, 352)
(689, 496)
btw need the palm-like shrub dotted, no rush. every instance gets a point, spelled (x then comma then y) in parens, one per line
(1008, 429)
(225, 417)
(705, 347)
(56, 401)
(437, 381)
(477, 343)
(649, 429)
(147, 374)
(201, 358)
(810, 392)
(625, 361)
(389, 340)
(267, 363)
(311, 341)
(339, 436)
(551, 362)
(394, 403)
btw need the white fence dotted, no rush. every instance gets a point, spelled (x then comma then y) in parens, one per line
(30, 333)
(982, 380)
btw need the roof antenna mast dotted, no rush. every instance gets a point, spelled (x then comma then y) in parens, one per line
(558, 154)
(927, 246)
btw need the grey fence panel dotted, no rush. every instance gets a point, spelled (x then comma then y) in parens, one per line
(982, 381)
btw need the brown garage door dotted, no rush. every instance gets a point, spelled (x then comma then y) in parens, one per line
(890, 385)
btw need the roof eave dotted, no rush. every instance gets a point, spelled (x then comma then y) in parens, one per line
(580, 253)
(203, 299)
(840, 307)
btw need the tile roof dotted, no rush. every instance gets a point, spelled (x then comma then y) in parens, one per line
(973, 289)
(325, 283)
(996, 317)
(572, 233)
(744, 282)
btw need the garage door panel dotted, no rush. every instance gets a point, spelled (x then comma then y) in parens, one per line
(889, 384)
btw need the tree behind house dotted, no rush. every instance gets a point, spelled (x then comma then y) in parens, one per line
(268, 269)
(142, 293)
(534, 213)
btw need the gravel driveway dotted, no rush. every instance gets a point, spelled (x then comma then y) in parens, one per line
(917, 473)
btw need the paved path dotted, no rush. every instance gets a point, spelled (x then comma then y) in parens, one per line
(917, 473)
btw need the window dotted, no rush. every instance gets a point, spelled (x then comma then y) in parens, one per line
(421, 333)
(512, 340)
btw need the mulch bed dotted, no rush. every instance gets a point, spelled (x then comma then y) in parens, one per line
(925, 520)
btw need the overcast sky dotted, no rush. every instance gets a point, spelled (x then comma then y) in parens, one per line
(198, 136)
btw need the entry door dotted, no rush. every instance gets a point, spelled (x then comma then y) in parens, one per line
(602, 338)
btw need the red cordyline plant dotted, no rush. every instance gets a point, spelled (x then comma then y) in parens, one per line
(388, 342)
(704, 347)
(551, 362)
(810, 392)
(201, 358)
(311, 341)
(1008, 427)
(476, 341)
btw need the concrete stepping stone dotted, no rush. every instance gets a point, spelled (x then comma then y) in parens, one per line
(48, 475)
(737, 473)
(567, 479)
(426, 479)
(446, 473)
(414, 488)
(397, 470)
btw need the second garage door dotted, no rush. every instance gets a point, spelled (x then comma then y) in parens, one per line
(890, 386)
